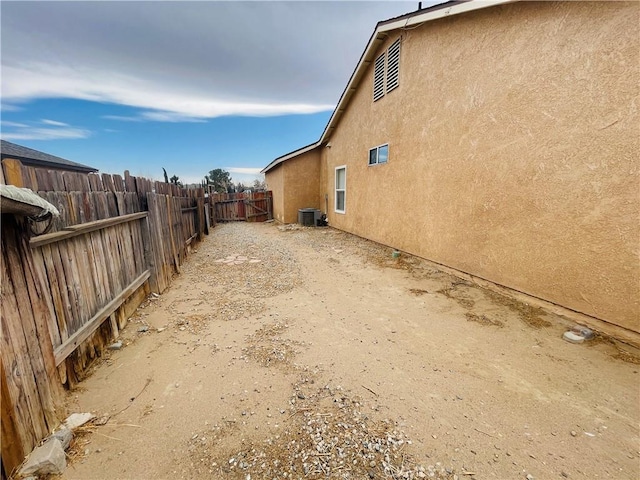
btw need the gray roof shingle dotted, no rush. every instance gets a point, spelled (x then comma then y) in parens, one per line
(35, 158)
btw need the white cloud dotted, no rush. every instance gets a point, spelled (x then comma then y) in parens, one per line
(55, 123)
(6, 123)
(47, 81)
(244, 170)
(169, 117)
(5, 107)
(46, 134)
(187, 60)
(122, 118)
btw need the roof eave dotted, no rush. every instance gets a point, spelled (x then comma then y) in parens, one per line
(290, 155)
(52, 165)
(378, 37)
(380, 32)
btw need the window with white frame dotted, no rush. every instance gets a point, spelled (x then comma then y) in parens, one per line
(341, 189)
(386, 71)
(379, 154)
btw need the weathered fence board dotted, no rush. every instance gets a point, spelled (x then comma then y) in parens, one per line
(29, 378)
(67, 293)
(245, 206)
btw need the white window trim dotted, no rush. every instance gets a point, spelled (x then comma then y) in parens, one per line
(377, 149)
(335, 190)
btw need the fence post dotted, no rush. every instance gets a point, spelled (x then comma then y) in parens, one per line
(13, 172)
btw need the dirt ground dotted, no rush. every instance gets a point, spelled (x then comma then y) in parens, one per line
(310, 353)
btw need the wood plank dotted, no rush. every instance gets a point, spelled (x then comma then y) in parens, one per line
(129, 182)
(13, 172)
(157, 246)
(120, 202)
(48, 293)
(107, 182)
(64, 350)
(56, 290)
(128, 253)
(136, 231)
(39, 338)
(202, 221)
(100, 269)
(73, 288)
(15, 346)
(118, 183)
(77, 264)
(149, 257)
(13, 451)
(174, 251)
(109, 250)
(83, 228)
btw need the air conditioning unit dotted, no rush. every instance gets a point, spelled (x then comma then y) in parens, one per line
(308, 217)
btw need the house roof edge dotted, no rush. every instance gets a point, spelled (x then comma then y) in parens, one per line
(435, 12)
(287, 156)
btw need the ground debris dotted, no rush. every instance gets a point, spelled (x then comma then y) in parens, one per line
(269, 348)
(330, 437)
(483, 320)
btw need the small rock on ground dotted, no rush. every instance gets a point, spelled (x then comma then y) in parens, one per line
(49, 458)
(76, 420)
(573, 337)
(64, 435)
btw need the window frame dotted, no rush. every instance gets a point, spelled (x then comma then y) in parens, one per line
(343, 190)
(377, 150)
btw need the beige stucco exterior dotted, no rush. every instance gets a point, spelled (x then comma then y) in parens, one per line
(513, 152)
(295, 186)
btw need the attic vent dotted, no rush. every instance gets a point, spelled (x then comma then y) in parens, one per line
(378, 78)
(393, 66)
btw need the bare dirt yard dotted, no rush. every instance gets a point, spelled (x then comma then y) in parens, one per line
(310, 353)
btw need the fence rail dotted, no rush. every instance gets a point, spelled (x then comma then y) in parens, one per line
(66, 294)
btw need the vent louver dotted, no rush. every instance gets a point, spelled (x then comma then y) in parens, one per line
(393, 66)
(378, 78)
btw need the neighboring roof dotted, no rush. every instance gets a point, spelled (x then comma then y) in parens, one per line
(35, 158)
(412, 19)
(289, 155)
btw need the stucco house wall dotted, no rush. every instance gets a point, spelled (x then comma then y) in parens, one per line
(274, 180)
(294, 184)
(513, 152)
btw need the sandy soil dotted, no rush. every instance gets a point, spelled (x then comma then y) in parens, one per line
(324, 351)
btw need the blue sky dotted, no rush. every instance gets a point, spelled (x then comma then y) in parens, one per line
(188, 86)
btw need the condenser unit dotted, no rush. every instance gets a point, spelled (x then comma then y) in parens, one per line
(308, 217)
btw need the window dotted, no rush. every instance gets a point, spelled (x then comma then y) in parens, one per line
(379, 154)
(378, 78)
(391, 60)
(341, 188)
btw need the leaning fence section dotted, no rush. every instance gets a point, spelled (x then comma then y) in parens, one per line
(242, 207)
(69, 285)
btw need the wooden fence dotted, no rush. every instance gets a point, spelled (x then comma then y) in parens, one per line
(67, 293)
(245, 206)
